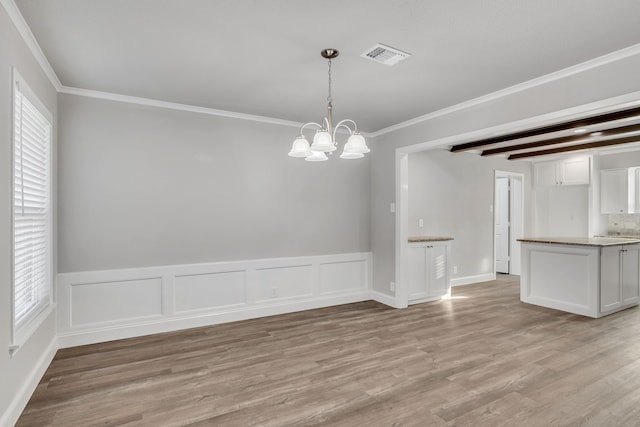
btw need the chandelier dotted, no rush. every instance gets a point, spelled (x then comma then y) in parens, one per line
(324, 140)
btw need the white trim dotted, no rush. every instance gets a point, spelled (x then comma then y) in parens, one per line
(385, 299)
(92, 306)
(21, 333)
(470, 280)
(30, 40)
(520, 87)
(174, 106)
(402, 228)
(28, 386)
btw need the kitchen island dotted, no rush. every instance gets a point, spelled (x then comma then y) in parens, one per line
(591, 276)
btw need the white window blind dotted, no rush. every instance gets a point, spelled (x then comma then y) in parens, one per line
(31, 210)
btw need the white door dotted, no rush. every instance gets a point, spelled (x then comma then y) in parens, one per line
(502, 225)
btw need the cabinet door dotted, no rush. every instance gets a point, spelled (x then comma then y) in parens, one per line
(575, 171)
(438, 275)
(610, 295)
(417, 272)
(614, 191)
(546, 174)
(630, 274)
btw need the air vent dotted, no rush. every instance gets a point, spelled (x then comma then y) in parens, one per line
(385, 54)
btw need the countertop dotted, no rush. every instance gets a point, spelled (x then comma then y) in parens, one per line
(582, 241)
(417, 239)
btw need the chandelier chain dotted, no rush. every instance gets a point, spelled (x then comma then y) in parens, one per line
(329, 98)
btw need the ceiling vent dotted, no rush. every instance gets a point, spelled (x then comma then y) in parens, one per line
(385, 54)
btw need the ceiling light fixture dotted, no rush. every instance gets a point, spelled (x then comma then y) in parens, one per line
(324, 141)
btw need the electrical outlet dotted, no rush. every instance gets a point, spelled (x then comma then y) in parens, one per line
(274, 292)
(421, 223)
(392, 207)
(392, 286)
(455, 269)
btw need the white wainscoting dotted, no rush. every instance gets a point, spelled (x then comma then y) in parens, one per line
(97, 306)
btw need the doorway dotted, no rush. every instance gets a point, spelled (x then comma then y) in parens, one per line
(508, 221)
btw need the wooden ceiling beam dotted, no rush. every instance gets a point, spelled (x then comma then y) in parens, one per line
(562, 140)
(573, 124)
(576, 147)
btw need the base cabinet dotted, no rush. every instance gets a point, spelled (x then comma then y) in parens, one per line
(428, 271)
(619, 277)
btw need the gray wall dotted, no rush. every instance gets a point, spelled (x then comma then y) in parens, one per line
(15, 371)
(453, 193)
(626, 159)
(595, 84)
(145, 186)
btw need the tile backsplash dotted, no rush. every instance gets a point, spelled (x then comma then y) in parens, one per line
(624, 224)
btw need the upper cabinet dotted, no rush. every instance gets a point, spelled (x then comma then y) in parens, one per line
(619, 190)
(572, 171)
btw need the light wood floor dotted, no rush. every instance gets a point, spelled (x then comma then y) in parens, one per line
(482, 358)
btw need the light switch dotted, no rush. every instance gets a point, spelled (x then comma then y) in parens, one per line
(392, 207)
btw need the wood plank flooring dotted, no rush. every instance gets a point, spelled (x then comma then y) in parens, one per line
(482, 358)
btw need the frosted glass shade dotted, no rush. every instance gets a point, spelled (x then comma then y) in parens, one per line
(356, 144)
(300, 147)
(317, 156)
(351, 156)
(322, 141)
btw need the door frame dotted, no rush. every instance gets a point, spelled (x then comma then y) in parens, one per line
(516, 215)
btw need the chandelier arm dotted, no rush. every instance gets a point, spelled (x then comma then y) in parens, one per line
(342, 124)
(310, 124)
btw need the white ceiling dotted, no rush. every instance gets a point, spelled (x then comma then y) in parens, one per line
(262, 57)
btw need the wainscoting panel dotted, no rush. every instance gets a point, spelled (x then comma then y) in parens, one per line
(115, 302)
(284, 282)
(342, 276)
(208, 291)
(98, 306)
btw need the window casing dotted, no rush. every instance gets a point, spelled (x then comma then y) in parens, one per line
(31, 213)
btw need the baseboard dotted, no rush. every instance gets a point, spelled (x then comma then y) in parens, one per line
(76, 338)
(470, 280)
(384, 299)
(21, 398)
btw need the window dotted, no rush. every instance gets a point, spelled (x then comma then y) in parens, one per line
(31, 216)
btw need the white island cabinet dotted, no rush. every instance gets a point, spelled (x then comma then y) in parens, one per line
(589, 276)
(429, 277)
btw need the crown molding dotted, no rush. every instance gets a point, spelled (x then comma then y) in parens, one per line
(30, 40)
(538, 81)
(174, 106)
